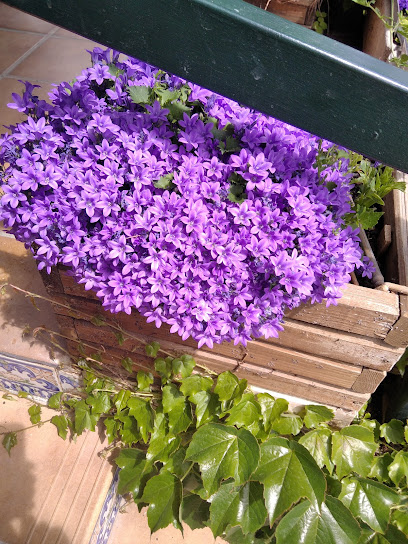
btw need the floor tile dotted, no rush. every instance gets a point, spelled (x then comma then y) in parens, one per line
(16, 311)
(13, 45)
(51, 490)
(56, 60)
(18, 20)
(132, 523)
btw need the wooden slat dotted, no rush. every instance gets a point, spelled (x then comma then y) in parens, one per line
(398, 336)
(377, 39)
(401, 229)
(347, 347)
(301, 12)
(368, 381)
(363, 311)
(256, 58)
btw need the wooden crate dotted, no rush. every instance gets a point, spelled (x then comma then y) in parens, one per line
(302, 12)
(336, 356)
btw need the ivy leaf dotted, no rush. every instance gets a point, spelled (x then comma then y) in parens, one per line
(141, 410)
(98, 320)
(163, 368)
(135, 471)
(393, 431)
(194, 384)
(21, 395)
(379, 467)
(195, 511)
(353, 450)
(176, 463)
(161, 444)
(9, 441)
(35, 414)
(207, 407)
(399, 517)
(100, 402)
(228, 386)
(140, 94)
(83, 417)
(369, 500)
(164, 182)
(183, 366)
(305, 523)
(398, 469)
(287, 424)
(61, 423)
(163, 494)
(271, 409)
(396, 536)
(127, 364)
(245, 413)
(315, 414)
(144, 380)
(112, 428)
(152, 349)
(288, 473)
(223, 452)
(178, 410)
(120, 399)
(129, 432)
(243, 506)
(54, 401)
(318, 443)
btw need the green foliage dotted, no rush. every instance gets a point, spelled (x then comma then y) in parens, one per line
(320, 24)
(205, 450)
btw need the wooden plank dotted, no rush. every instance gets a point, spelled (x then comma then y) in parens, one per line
(301, 12)
(398, 336)
(384, 240)
(368, 381)
(401, 229)
(363, 311)
(297, 363)
(377, 39)
(256, 58)
(347, 347)
(71, 287)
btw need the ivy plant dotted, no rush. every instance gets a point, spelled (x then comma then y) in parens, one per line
(203, 449)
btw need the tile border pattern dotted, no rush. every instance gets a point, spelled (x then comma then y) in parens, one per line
(41, 380)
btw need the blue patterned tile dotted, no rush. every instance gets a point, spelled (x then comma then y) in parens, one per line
(110, 508)
(35, 374)
(38, 393)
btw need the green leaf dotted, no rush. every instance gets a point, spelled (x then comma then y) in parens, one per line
(35, 414)
(112, 428)
(306, 524)
(176, 463)
(9, 441)
(287, 424)
(353, 450)
(183, 366)
(163, 493)
(288, 473)
(223, 452)
(164, 182)
(195, 511)
(163, 368)
(98, 320)
(129, 432)
(22, 394)
(177, 109)
(100, 402)
(177, 408)
(54, 401)
(141, 410)
(7, 396)
(369, 218)
(242, 506)
(194, 384)
(119, 337)
(207, 407)
(393, 431)
(379, 467)
(135, 471)
(120, 399)
(139, 94)
(229, 387)
(396, 536)
(245, 412)
(161, 444)
(369, 500)
(61, 423)
(398, 469)
(144, 380)
(318, 443)
(83, 417)
(271, 409)
(127, 364)
(152, 349)
(399, 517)
(315, 414)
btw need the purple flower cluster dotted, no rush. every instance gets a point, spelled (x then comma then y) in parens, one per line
(403, 5)
(164, 197)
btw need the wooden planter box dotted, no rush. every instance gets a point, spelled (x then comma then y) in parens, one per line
(298, 11)
(336, 356)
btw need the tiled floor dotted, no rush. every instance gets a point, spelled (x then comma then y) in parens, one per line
(51, 491)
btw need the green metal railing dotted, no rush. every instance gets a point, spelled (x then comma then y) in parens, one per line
(256, 58)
